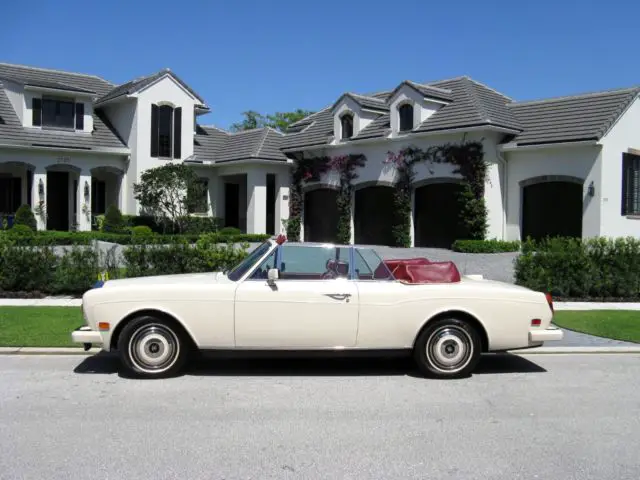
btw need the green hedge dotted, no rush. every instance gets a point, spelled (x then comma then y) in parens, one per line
(85, 238)
(593, 269)
(485, 246)
(36, 271)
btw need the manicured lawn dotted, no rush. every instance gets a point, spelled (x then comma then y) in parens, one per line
(615, 324)
(38, 326)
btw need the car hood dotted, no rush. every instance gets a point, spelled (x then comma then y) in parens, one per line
(176, 279)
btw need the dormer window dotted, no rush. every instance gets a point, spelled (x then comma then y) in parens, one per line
(405, 112)
(57, 113)
(347, 125)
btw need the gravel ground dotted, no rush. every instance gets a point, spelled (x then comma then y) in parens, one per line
(568, 417)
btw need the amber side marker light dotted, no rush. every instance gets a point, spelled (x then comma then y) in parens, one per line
(104, 326)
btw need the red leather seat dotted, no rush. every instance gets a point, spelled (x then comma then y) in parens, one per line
(421, 270)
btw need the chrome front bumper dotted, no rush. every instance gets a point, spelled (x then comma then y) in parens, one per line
(86, 336)
(550, 334)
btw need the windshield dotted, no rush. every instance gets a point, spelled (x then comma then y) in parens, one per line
(245, 265)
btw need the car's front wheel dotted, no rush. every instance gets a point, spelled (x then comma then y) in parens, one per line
(152, 347)
(448, 348)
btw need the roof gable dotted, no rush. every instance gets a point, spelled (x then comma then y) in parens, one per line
(139, 84)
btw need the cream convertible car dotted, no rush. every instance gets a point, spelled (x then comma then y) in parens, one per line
(315, 297)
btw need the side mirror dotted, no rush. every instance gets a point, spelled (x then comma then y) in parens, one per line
(272, 276)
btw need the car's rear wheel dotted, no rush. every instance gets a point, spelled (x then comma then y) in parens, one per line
(448, 348)
(152, 347)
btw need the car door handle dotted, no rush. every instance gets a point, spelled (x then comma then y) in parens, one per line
(338, 296)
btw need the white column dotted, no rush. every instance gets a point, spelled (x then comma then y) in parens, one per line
(39, 197)
(219, 198)
(282, 201)
(256, 201)
(352, 226)
(412, 230)
(84, 200)
(121, 189)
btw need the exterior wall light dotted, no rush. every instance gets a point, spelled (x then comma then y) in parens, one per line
(592, 189)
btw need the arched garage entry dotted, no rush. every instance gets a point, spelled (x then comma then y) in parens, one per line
(437, 214)
(374, 215)
(321, 215)
(552, 206)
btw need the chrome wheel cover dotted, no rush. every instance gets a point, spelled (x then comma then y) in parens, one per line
(449, 349)
(154, 348)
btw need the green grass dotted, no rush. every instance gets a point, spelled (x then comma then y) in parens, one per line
(38, 326)
(616, 324)
(52, 326)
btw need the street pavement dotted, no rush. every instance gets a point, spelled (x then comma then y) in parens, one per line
(519, 417)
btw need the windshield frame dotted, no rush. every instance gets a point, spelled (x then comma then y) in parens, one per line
(254, 257)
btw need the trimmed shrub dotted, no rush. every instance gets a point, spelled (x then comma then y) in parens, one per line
(113, 222)
(181, 257)
(141, 231)
(230, 231)
(24, 268)
(76, 270)
(593, 269)
(24, 216)
(485, 246)
(21, 230)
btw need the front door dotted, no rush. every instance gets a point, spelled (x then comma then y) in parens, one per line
(312, 304)
(232, 205)
(58, 201)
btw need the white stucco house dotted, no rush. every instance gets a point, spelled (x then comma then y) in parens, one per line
(71, 144)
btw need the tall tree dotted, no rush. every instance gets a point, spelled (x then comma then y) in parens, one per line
(252, 119)
(279, 121)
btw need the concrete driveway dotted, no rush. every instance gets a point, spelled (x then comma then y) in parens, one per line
(519, 417)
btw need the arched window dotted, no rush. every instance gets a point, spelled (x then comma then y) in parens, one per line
(166, 131)
(347, 125)
(405, 112)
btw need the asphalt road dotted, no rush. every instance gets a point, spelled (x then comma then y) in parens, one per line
(537, 416)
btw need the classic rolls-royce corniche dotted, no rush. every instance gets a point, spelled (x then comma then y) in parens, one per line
(320, 298)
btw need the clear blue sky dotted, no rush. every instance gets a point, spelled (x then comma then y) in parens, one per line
(282, 55)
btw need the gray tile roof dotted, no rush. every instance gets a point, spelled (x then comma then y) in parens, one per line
(139, 83)
(219, 146)
(378, 128)
(207, 141)
(569, 119)
(473, 105)
(90, 83)
(317, 133)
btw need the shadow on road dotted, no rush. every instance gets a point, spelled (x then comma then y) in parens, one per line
(208, 365)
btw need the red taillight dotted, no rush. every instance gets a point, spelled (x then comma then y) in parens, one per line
(549, 300)
(536, 322)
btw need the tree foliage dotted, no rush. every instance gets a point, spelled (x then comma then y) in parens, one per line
(169, 193)
(279, 121)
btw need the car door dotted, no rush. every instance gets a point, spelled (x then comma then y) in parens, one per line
(306, 308)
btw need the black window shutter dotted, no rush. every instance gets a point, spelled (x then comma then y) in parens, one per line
(36, 110)
(177, 132)
(154, 130)
(625, 182)
(79, 116)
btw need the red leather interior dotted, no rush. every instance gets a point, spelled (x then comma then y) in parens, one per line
(421, 270)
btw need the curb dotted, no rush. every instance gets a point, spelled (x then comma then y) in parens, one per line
(529, 351)
(576, 350)
(47, 351)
